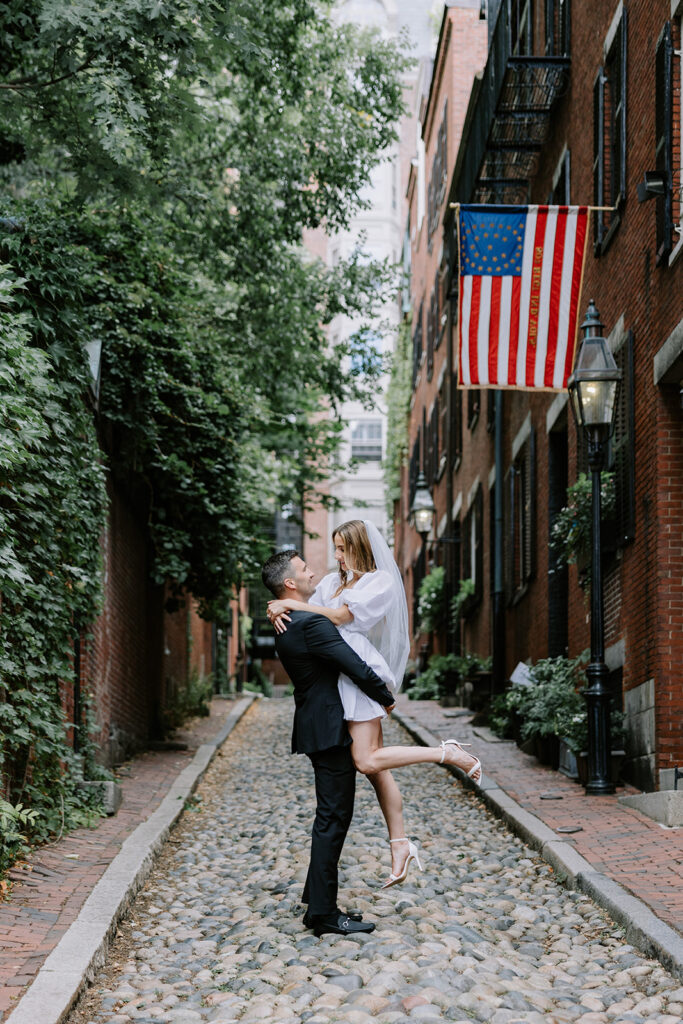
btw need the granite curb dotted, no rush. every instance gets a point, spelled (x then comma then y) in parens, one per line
(643, 928)
(83, 949)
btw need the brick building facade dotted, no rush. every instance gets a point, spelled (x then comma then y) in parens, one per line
(137, 654)
(576, 103)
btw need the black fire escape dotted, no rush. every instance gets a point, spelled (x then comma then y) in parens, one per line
(508, 118)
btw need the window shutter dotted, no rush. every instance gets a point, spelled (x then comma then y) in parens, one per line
(456, 419)
(620, 127)
(599, 154)
(509, 539)
(550, 27)
(529, 498)
(622, 447)
(664, 140)
(478, 528)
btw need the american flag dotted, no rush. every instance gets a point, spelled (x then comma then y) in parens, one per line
(520, 284)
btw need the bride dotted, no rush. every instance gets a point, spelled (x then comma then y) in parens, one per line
(366, 601)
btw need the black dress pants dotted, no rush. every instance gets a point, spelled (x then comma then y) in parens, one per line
(335, 788)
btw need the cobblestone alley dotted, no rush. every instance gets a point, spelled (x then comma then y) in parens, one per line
(485, 933)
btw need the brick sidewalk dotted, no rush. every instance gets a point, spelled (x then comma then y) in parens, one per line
(627, 846)
(49, 892)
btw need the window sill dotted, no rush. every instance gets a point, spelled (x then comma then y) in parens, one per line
(471, 424)
(519, 594)
(457, 461)
(677, 249)
(441, 467)
(600, 248)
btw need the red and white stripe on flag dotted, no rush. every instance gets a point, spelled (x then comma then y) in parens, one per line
(520, 283)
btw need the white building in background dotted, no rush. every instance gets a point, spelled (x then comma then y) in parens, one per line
(380, 229)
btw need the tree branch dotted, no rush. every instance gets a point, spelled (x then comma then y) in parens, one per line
(34, 83)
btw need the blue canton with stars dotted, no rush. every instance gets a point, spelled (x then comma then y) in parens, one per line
(491, 241)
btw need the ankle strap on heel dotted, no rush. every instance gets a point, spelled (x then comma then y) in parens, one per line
(404, 840)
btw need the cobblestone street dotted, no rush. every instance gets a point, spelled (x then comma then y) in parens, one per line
(485, 933)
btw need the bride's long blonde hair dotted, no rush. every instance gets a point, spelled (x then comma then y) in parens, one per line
(358, 548)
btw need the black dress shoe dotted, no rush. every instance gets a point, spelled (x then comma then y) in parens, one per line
(354, 915)
(340, 924)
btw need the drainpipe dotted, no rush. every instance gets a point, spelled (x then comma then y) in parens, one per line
(498, 672)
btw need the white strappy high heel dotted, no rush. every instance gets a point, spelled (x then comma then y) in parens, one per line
(412, 855)
(476, 767)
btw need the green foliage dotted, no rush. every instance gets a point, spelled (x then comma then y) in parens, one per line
(444, 672)
(572, 525)
(398, 407)
(431, 607)
(258, 680)
(465, 592)
(13, 842)
(52, 508)
(188, 700)
(159, 164)
(548, 706)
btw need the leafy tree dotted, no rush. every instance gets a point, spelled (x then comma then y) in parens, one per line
(159, 163)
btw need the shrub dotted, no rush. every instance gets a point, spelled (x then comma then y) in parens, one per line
(431, 607)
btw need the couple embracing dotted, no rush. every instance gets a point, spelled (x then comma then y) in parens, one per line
(344, 645)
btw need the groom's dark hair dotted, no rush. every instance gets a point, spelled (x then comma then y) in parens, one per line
(276, 570)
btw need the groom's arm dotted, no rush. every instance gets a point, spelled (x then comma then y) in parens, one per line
(324, 641)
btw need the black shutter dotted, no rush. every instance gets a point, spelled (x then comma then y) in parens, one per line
(622, 447)
(509, 522)
(550, 27)
(529, 517)
(434, 440)
(599, 155)
(619, 126)
(456, 420)
(664, 140)
(478, 526)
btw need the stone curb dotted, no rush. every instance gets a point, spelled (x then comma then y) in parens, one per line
(643, 928)
(82, 950)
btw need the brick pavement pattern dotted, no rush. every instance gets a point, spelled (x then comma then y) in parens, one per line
(621, 842)
(49, 891)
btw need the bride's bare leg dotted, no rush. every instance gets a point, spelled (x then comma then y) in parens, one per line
(370, 757)
(390, 802)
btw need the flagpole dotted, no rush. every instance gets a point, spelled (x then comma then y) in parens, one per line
(591, 209)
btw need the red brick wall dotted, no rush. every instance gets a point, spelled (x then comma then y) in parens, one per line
(116, 661)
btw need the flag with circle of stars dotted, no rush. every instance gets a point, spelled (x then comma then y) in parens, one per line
(521, 269)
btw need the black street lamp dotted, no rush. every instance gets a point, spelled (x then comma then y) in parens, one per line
(422, 509)
(593, 393)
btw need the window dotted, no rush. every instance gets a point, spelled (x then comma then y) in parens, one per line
(443, 422)
(439, 179)
(432, 453)
(366, 440)
(520, 494)
(557, 28)
(664, 140)
(473, 549)
(431, 331)
(414, 468)
(621, 453)
(417, 344)
(490, 409)
(456, 421)
(521, 27)
(609, 137)
(473, 407)
(559, 195)
(419, 573)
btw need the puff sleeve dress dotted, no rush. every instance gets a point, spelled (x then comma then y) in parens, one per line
(370, 600)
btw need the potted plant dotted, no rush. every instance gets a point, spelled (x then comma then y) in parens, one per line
(570, 536)
(445, 677)
(577, 741)
(551, 703)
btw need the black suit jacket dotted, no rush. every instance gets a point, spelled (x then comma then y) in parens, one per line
(313, 654)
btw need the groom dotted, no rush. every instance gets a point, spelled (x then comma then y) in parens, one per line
(313, 654)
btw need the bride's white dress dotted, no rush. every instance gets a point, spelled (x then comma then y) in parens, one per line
(370, 600)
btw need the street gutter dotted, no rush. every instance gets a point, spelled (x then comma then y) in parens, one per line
(643, 928)
(82, 950)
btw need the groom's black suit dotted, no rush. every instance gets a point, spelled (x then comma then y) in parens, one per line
(313, 654)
